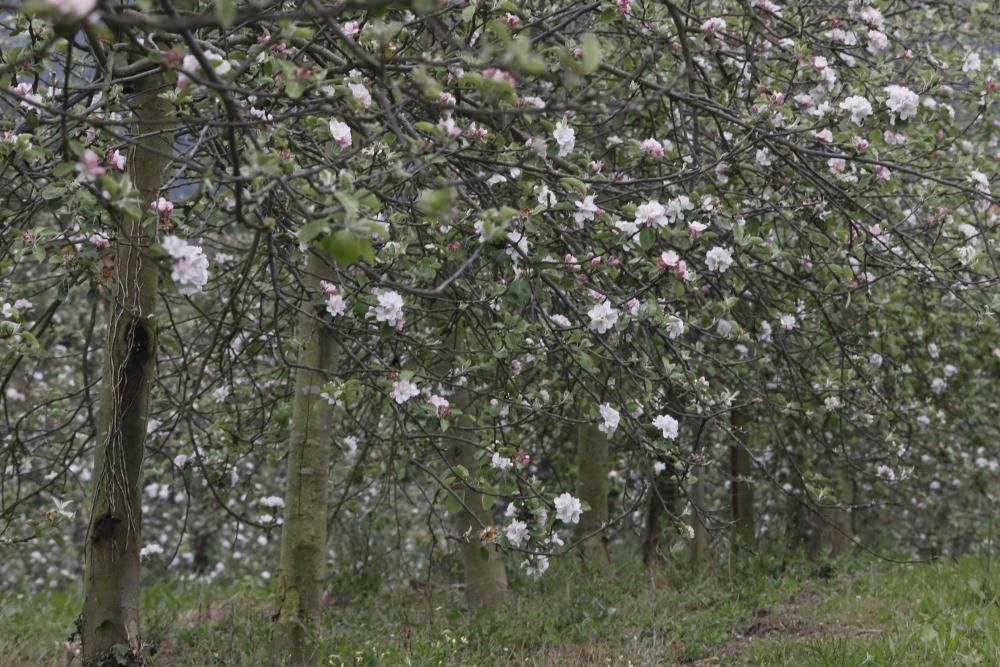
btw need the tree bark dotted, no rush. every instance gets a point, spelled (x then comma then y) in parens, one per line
(699, 546)
(303, 536)
(483, 565)
(662, 500)
(836, 530)
(741, 489)
(110, 620)
(592, 488)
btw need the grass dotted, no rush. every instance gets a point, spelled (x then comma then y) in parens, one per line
(865, 613)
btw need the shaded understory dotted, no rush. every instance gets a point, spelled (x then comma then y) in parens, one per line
(858, 612)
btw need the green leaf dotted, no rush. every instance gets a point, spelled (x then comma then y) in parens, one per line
(647, 237)
(350, 204)
(468, 13)
(63, 169)
(451, 504)
(311, 230)
(367, 251)
(344, 246)
(574, 184)
(294, 87)
(591, 52)
(225, 11)
(436, 202)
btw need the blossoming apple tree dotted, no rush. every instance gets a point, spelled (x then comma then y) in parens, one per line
(494, 262)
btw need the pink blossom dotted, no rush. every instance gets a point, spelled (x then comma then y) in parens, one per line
(351, 29)
(496, 74)
(447, 123)
(189, 65)
(78, 8)
(441, 405)
(669, 259)
(341, 132)
(522, 457)
(162, 205)
(714, 24)
(89, 166)
(99, 240)
(116, 159)
(652, 146)
(361, 94)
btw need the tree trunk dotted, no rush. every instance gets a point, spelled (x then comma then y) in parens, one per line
(662, 501)
(836, 529)
(110, 619)
(699, 545)
(592, 488)
(740, 487)
(485, 572)
(303, 535)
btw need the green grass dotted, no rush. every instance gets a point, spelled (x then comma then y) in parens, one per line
(866, 613)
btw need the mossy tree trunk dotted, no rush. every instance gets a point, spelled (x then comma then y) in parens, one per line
(303, 536)
(483, 566)
(592, 488)
(110, 619)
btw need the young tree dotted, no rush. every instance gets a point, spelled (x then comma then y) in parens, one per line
(110, 619)
(302, 568)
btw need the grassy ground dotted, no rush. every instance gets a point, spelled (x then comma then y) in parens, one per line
(861, 613)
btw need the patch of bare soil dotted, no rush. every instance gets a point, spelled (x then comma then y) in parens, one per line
(766, 623)
(788, 620)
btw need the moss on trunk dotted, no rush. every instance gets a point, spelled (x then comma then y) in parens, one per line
(483, 565)
(592, 488)
(303, 536)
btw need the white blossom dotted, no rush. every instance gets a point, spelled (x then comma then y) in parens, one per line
(858, 107)
(403, 390)
(568, 508)
(667, 425)
(902, 102)
(517, 533)
(602, 317)
(389, 308)
(565, 137)
(500, 462)
(719, 259)
(190, 266)
(611, 419)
